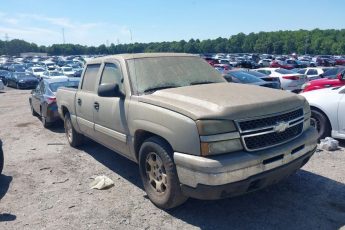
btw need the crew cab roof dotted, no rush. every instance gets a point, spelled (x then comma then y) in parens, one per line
(138, 55)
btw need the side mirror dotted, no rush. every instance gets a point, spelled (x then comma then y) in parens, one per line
(341, 76)
(110, 90)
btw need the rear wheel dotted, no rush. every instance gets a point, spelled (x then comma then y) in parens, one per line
(321, 123)
(159, 175)
(74, 138)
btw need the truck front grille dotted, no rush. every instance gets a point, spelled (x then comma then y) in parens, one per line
(263, 133)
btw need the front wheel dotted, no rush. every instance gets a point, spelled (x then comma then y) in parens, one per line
(159, 175)
(320, 122)
(74, 138)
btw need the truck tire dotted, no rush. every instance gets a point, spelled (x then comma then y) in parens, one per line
(1, 158)
(159, 175)
(74, 138)
(321, 123)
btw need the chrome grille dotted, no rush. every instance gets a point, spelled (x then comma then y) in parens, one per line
(262, 133)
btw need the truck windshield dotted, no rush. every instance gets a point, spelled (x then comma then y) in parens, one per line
(170, 72)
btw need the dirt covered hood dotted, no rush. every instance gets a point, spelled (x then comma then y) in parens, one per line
(224, 101)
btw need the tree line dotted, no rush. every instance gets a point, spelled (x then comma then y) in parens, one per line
(315, 41)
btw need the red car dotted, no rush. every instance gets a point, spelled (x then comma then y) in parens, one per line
(281, 64)
(325, 83)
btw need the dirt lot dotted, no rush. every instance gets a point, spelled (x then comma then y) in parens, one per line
(45, 185)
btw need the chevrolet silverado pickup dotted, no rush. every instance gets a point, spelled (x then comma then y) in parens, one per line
(191, 133)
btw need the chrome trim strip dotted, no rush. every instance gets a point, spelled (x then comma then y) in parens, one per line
(270, 146)
(237, 122)
(109, 132)
(272, 131)
(220, 137)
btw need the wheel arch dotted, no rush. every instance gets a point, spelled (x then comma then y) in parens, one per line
(141, 136)
(312, 107)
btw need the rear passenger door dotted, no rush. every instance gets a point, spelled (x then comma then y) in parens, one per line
(85, 99)
(110, 117)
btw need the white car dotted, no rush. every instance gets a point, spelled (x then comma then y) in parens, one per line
(67, 71)
(37, 71)
(312, 72)
(289, 80)
(2, 87)
(327, 111)
(265, 62)
(52, 74)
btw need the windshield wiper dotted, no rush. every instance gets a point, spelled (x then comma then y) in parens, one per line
(153, 89)
(201, 82)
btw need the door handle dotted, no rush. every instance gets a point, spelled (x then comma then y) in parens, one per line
(96, 106)
(79, 101)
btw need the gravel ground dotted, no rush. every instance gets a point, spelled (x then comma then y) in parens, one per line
(45, 185)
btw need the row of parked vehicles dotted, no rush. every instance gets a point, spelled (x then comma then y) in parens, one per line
(192, 133)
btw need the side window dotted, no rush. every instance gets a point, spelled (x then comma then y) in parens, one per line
(312, 72)
(90, 78)
(111, 74)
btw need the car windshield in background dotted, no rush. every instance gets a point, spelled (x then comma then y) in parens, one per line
(332, 73)
(23, 75)
(69, 84)
(55, 74)
(38, 70)
(245, 77)
(67, 69)
(150, 74)
(284, 71)
(19, 68)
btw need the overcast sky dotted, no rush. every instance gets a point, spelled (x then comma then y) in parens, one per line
(102, 22)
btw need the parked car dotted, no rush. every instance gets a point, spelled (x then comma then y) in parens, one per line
(43, 101)
(36, 71)
(312, 73)
(324, 60)
(192, 133)
(281, 64)
(20, 68)
(289, 80)
(273, 80)
(22, 80)
(332, 72)
(327, 111)
(1, 157)
(324, 83)
(243, 77)
(265, 62)
(4, 74)
(52, 74)
(67, 71)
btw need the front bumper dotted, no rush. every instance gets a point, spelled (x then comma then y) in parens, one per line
(237, 173)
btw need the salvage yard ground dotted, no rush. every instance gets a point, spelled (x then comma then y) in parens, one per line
(45, 185)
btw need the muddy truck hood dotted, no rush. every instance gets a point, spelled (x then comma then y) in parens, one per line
(224, 101)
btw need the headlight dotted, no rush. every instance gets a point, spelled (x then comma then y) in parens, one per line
(211, 127)
(305, 85)
(219, 147)
(306, 108)
(307, 114)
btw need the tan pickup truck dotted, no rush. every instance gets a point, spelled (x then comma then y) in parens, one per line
(192, 133)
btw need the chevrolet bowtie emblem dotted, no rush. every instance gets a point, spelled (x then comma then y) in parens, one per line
(281, 127)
